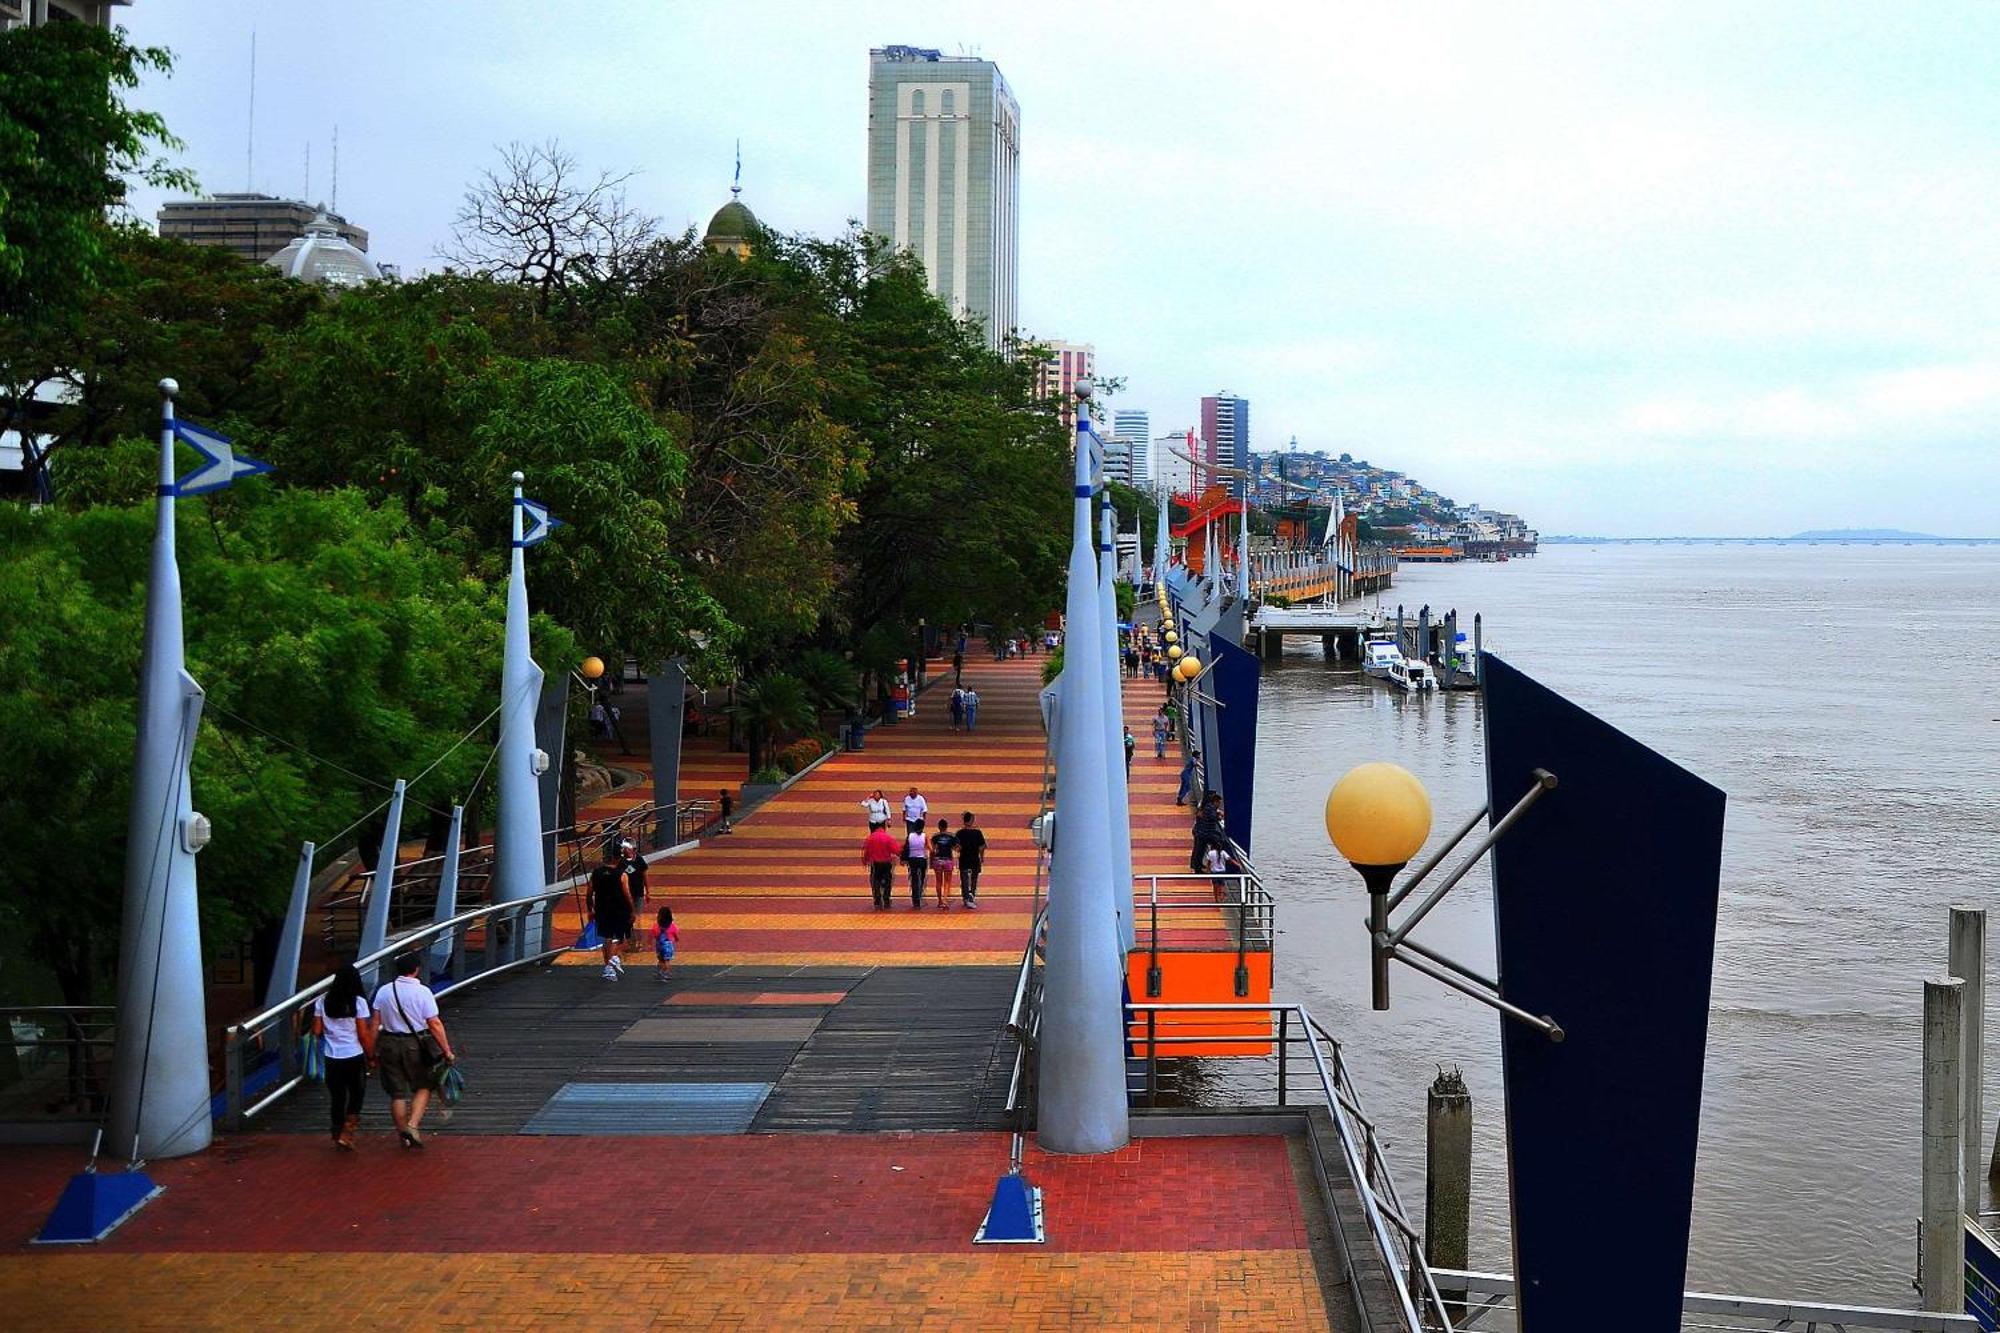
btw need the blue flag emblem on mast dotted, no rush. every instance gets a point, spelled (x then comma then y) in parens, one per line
(220, 463)
(536, 521)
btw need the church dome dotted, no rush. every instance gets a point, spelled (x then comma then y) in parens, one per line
(324, 256)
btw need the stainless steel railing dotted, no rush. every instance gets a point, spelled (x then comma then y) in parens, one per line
(1305, 1067)
(1191, 904)
(1489, 1305)
(479, 943)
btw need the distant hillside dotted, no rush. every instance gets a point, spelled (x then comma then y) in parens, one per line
(1862, 535)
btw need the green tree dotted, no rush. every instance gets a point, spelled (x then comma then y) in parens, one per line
(404, 392)
(68, 143)
(337, 654)
(770, 706)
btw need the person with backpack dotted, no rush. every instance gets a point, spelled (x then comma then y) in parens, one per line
(666, 939)
(943, 851)
(969, 848)
(341, 1020)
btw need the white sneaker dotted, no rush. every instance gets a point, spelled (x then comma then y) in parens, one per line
(618, 963)
(609, 973)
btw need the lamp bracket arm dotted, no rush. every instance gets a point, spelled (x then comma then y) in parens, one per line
(1451, 977)
(1545, 781)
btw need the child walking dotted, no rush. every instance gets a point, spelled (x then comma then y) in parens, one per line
(666, 939)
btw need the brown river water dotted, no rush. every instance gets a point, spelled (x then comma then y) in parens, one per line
(1847, 698)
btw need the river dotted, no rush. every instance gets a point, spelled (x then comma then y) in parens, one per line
(1847, 698)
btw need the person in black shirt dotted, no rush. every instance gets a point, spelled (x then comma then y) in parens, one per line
(611, 909)
(971, 859)
(633, 867)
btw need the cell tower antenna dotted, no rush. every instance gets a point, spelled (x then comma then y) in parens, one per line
(250, 127)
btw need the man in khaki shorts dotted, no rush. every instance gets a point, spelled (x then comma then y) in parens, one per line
(406, 1010)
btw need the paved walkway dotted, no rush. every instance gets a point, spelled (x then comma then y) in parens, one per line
(783, 1231)
(577, 1183)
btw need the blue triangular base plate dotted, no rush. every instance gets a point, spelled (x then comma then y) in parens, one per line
(1015, 1217)
(93, 1204)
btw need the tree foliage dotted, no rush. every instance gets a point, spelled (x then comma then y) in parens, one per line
(337, 654)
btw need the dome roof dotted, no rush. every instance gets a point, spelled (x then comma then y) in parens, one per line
(324, 256)
(732, 222)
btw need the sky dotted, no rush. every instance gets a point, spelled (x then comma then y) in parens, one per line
(1624, 269)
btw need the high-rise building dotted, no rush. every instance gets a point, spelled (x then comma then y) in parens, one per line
(97, 13)
(1118, 460)
(1057, 375)
(1135, 426)
(1225, 423)
(944, 155)
(255, 226)
(1173, 471)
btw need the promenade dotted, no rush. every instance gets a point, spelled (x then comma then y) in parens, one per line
(635, 1153)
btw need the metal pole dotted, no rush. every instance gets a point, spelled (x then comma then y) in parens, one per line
(1967, 954)
(1942, 1230)
(1448, 1175)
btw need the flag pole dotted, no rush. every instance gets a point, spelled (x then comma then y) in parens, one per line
(517, 863)
(1081, 1105)
(159, 1080)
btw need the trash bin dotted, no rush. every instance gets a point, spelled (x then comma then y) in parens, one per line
(857, 734)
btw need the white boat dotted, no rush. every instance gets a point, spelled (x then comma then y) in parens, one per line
(1378, 656)
(1411, 677)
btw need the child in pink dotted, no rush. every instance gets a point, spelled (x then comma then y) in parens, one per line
(666, 937)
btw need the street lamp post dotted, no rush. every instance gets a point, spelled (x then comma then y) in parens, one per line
(1378, 816)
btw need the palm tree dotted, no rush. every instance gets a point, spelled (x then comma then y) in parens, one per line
(770, 705)
(828, 677)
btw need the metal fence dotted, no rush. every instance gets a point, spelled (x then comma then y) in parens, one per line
(1304, 1068)
(1485, 1301)
(55, 1063)
(260, 1054)
(344, 906)
(1203, 913)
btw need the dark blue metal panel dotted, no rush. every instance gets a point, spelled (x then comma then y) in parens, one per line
(1604, 905)
(1234, 684)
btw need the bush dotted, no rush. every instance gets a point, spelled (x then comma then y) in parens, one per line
(1276, 599)
(799, 753)
(767, 777)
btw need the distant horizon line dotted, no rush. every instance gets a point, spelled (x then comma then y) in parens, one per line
(1895, 539)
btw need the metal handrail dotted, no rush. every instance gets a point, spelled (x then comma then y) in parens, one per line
(240, 1037)
(1394, 1235)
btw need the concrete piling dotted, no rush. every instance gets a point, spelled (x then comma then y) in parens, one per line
(1967, 962)
(1942, 1226)
(1448, 1176)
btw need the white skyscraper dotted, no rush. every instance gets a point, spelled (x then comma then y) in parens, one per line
(944, 154)
(1134, 425)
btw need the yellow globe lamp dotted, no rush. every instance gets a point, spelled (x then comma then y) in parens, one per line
(1188, 669)
(592, 668)
(1174, 653)
(1378, 816)
(1173, 636)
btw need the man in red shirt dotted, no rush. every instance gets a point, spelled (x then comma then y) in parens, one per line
(878, 853)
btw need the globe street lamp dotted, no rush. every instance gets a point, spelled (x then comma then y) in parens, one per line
(1187, 668)
(1378, 816)
(1174, 653)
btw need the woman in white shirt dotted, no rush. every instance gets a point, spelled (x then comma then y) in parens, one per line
(343, 1023)
(877, 808)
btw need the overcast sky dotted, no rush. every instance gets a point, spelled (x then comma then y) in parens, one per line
(1625, 269)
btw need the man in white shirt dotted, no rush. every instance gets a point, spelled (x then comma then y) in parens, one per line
(405, 1009)
(915, 808)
